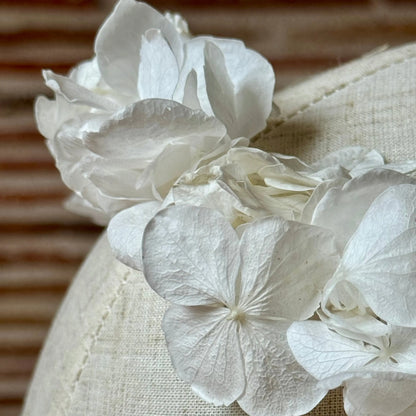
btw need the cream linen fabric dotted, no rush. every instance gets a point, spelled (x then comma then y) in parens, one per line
(105, 354)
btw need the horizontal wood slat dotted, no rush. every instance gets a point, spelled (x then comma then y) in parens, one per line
(28, 307)
(10, 409)
(10, 365)
(49, 3)
(23, 338)
(63, 247)
(238, 4)
(23, 277)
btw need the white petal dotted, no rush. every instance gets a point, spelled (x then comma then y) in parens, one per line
(204, 189)
(251, 75)
(168, 166)
(402, 348)
(205, 351)
(116, 178)
(410, 411)
(285, 267)
(158, 70)
(344, 309)
(220, 89)
(318, 193)
(276, 383)
(293, 163)
(77, 94)
(87, 74)
(374, 397)
(342, 209)
(250, 159)
(283, 178)
(118, 43)
(159, 120)
(179, 22)
(356, 160)
(253, 79)
(190, 95)
(125, 232)
(50, 114)
(407, 166)
(380, 258)
(81, 206)
(78, 166)
(324, 353)
(191, 256)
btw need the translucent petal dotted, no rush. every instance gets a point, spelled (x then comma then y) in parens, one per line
(276, 383)
(81, 206)
(190, 95)
(191, 256)
(87, 74)
(220, 89)
(318, 193)
(285, 267)
(205, 351)
(251, 75)
(125, 232)
(344, 309)
(342, 209)
(161, 120)
(410, 411)
(50, 114)
(285, 179)
(253, 79)
(374, 397)
(355, 159)
(158, 70)
(324, 353)
(118, 43)
(77, 94)
(206, 191)
(380, 258)
(408, 166)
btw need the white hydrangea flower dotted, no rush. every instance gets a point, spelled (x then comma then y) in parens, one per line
(341, 208)
(367, 337)
(136, 155)
(364, 367)
(233, 300)
(248, 183)
(146, 69)
(243, 185)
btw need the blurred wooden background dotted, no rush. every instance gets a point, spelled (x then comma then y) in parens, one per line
(41, 245)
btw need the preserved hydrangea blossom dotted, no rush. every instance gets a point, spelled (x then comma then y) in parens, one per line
(119, 117)
(243, 185)
(366, 339)
(233, 300)
(341, 208)
(248, 183)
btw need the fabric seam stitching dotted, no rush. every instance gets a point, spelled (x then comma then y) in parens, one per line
(343, 86)
(95, 336)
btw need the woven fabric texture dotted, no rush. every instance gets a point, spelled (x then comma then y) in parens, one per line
(106, 355)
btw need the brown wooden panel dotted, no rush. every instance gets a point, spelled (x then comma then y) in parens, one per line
(252, 4)
(10, 409)
(50, 3)
(33, 37)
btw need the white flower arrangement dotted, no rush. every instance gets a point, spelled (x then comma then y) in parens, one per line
(284, 279)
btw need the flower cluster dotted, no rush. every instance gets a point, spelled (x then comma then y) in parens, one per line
(285, 279)
(152, 103)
